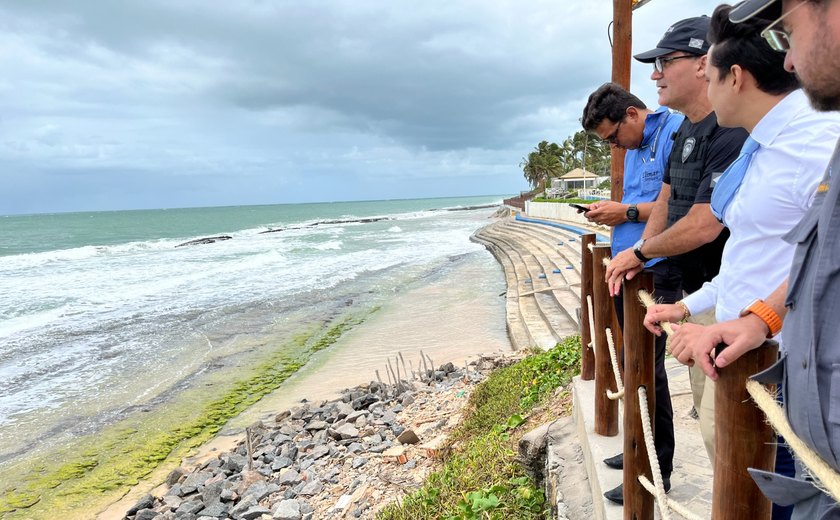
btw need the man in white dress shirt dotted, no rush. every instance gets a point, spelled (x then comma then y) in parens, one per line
(749, 88)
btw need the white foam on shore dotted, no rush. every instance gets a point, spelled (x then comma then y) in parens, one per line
(457, 316)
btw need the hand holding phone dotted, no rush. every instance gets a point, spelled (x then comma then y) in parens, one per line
(580, 208)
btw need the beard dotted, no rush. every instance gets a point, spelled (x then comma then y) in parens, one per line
(823, 84)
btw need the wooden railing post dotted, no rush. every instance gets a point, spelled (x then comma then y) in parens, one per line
(606, 410)
(587, 361)
(743, 439)
(639, 357)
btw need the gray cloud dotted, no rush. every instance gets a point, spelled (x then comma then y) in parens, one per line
(283, 92)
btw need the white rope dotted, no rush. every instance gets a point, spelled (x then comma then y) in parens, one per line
(826, 478)
(647, 301)
(591, 324)
(606, 261)
(676, 507)
(616, 373)
(591, 247)
(659, 495)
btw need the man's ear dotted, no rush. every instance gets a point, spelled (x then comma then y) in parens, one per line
(737, 77)
(632, 112)
(702, 63)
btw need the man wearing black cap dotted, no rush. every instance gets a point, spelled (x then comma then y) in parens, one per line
(681, 225)
(809, 32)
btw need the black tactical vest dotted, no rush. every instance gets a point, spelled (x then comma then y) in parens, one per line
(688, 158)
(687, 163)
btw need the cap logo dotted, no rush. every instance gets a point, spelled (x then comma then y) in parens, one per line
(695, 43)
(688, 147)
(670, 30)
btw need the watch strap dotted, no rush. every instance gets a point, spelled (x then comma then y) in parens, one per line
(767, 315)
(637, 250)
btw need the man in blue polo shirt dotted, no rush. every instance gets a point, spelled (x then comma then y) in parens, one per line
(620, 118)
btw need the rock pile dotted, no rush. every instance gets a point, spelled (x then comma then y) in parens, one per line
(344, 458)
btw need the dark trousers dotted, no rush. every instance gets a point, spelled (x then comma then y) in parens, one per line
(667, 289)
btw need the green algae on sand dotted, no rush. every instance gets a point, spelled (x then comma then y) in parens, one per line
(100, 469)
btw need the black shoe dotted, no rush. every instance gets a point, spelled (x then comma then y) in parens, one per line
(616, 494)
(616, 462)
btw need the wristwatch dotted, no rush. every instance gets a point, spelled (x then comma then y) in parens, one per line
(632, 213)
(767, 315)
(637, 250)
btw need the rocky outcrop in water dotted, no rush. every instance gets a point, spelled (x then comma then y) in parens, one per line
(205, 240)
(324, 222)
(344, 458)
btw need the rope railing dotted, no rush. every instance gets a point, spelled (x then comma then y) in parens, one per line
(616, 372)
(591, 325)
(659, 486)
(725, 505)
(826, 479)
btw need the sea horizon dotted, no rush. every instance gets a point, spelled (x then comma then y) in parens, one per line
(171, 208)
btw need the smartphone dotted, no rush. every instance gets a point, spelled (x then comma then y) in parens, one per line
(581, 209)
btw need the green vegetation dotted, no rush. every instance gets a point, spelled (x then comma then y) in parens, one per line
(119, 457)
(564, 201)
(479, 477)
(550, 160)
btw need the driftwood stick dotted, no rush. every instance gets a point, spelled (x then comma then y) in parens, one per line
(381, 384)
(248, 448)
(405, 370)
(425, 366)
(394, 374)
(387, 373)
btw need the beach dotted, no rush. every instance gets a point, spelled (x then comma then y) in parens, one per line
(432, 290)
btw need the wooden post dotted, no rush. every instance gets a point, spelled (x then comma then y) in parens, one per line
(743, 439)
(639, 357)
(622, 45)
(587, 358)
(606, 410)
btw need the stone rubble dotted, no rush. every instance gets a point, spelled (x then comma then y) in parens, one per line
(345, 458)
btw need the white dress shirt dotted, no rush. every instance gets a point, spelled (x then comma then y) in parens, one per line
(778, 186)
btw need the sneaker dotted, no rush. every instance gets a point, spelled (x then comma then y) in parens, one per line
(616, 462)
(616, 494)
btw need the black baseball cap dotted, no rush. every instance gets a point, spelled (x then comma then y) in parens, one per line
(770, 9)
(687, 35)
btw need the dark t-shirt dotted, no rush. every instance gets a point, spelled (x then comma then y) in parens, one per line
(703, 263)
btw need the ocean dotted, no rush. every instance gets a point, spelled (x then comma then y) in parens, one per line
(108, 323)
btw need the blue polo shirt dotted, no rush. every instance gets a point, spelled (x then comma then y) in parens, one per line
(644, 168)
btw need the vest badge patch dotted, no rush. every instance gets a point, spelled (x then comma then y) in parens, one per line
(688, 147)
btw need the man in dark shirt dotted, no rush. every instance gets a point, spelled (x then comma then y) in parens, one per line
(681, 225)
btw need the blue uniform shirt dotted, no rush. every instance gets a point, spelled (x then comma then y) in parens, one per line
(644, 168)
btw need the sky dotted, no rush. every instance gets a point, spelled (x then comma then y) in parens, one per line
(136, 104)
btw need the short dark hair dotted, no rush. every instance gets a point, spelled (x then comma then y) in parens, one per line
(610, 101)
(741, 44)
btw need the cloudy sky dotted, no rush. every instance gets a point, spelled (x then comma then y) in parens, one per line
(175, 103)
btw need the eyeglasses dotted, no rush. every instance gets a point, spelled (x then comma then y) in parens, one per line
(659, 63)
(613, 136)
(779, 39)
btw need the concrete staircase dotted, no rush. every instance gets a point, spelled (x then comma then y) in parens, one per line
(546, 258)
